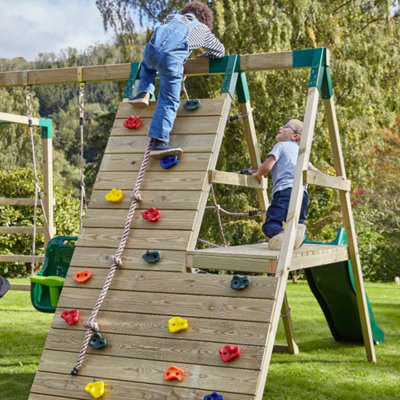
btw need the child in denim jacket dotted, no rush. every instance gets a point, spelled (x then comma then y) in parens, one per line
(166, 54)
(281, 162)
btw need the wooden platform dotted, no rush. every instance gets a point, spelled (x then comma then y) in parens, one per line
(134, 316)
(258, 258)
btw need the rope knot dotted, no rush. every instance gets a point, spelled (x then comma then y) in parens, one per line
(94, 326)
(118, 261)
(217, 208)
(136, 196)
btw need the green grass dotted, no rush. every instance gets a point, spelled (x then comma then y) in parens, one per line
(324, 369)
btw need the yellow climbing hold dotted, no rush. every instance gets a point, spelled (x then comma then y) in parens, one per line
(114, 196)
(96, 389)
(176, 324)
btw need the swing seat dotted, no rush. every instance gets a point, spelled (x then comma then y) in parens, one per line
(47, 285)
(192, 104)
(4, 286)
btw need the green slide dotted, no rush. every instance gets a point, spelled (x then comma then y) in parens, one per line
(333, 287)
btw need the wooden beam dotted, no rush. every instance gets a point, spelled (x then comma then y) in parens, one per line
(231, 178)
(120, 72)
(348, 223)
(20, 258)
(16, 202)
(26, 230)
(17, 119)
(332, 182)
(26, 287)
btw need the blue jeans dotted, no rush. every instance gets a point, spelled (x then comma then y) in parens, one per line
(277, 212)
(165, 54)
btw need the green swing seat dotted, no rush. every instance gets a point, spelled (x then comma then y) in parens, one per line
(46, 286)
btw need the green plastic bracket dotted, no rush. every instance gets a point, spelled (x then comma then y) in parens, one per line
(134, 74)
(305, 58)
(242, 89)
(4, 123)
(231, 75)
(47, 127)
(317, 69)
(326, 87)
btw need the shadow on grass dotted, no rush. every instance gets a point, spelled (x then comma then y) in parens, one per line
(16, 386)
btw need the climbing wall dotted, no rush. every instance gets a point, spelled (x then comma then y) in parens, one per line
(143, 297)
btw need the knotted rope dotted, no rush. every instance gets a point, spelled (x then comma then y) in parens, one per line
(117, 262)
(38, 193)
(217, 210)
(83, 204)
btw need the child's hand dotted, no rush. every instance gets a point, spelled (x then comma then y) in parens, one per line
(257, 176)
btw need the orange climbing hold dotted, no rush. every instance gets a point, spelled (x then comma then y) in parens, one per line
(174, 373)
(176, 324)
(82, 276)
(96, 389)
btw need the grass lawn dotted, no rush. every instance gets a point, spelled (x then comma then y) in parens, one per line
(324, 369)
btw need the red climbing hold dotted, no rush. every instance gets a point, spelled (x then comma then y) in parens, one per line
(173, 373)
(228, 352)
(82, 276)
(152, 214)
(71, 316)
(132, 122)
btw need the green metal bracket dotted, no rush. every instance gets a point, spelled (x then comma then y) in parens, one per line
(305, 58)
(231, 75)
(134, 74)
(47, 127)
(317, 69)
(4, 123)
(242, 89)
(326, 87)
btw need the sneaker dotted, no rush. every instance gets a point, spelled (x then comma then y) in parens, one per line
(275, 243)
(141, 100)
(300, 236)
(161, 149)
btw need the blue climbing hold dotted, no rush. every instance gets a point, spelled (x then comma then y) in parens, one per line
(239, 282)
(213, 396)
(97, 341)
(152, 256)
(169, 161)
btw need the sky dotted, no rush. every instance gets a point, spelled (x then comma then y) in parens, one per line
(30, 27)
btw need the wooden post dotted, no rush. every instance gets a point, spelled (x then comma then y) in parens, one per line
(48, 200)
(348, 223)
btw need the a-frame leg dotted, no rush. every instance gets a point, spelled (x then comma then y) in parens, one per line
(348, 222)
(255, 160)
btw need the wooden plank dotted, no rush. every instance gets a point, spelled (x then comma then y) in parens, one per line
(165, 200)
(55, 386)
(18, 119)
(231, 178)
(115, 218)
(21, 258)
(146, 371)
(157, 349)
(20, 287)
(16, 202)
(262, 287)
(186, 306)
(169, 180)
(348, 222)
(116, 72)
(133, 161)
(101, 258)
(25, 230)
(208, 107)
(332, 182)
(146, 325)
(189, 144)
(138, 238)
(182, 126)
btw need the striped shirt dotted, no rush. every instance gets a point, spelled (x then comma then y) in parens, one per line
(200, 36)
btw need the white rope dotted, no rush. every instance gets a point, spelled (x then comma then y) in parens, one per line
(38, 194)
(184, 88)
(117, 262)
(83, 204)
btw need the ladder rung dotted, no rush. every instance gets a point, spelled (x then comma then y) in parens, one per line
(21, 258)
(231, 178)
(16, 202)
(332, 182)
(21, 229)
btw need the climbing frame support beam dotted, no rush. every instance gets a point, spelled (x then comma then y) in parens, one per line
(348, 223)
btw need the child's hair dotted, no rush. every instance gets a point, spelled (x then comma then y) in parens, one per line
(297, 125)
(201, 11)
